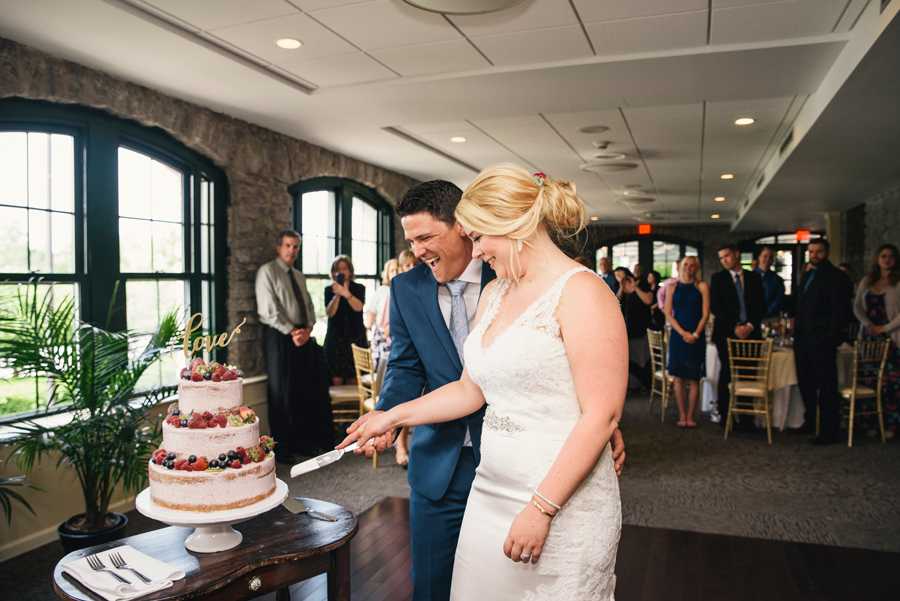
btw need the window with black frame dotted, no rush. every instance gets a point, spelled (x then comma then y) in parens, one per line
(96, 208)
(339, 216)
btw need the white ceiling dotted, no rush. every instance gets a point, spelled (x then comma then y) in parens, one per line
(390, 84)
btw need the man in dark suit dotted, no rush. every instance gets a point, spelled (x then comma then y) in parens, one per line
(823, 308)
(737, 300)
(604, 268)
(425, 356)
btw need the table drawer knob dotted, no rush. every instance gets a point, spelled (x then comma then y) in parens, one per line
(255, 583)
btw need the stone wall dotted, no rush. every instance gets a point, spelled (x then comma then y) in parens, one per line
(882, 223)
(853, 239)
(259, 163)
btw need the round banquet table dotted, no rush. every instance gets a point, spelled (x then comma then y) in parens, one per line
(787, 405)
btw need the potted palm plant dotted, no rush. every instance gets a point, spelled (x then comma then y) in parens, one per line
(106, 436)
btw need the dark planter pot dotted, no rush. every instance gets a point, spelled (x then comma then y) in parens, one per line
(72, 541)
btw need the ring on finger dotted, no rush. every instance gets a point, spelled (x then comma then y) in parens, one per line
(524, 556)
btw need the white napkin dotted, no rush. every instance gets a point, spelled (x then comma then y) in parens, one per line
(161, 574)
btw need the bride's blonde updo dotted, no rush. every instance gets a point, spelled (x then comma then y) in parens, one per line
(506, 200)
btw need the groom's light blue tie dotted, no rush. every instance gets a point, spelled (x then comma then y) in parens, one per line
(459, 318)
(740, 291)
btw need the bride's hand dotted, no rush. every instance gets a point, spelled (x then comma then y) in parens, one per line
(374, 424)
(527, 535)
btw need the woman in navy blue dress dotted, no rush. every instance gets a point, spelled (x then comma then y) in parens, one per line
(687, 310)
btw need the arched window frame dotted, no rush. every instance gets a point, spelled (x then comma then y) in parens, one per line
(645, 246)
(341, 230)
(97, 273)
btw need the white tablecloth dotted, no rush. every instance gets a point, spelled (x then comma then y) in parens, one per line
(787, 405)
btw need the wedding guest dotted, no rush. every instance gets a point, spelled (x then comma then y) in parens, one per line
(773, 285)
(822, 309)
(344, 301)
(687, 310)
(877, 307)
(636, 300)
(657, 317)
(300, 416)
(376, 315)
(604, 268)
(737, 301)
(407, 260)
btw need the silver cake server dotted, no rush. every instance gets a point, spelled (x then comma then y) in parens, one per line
(324, 459)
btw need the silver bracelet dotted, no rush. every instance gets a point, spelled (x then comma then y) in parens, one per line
(552, 504)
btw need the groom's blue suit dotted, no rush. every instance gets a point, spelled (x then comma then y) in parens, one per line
(423, 358)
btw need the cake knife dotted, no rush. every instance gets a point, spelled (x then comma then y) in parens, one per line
(324, 459)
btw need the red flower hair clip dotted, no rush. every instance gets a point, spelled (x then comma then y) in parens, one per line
(539, 179)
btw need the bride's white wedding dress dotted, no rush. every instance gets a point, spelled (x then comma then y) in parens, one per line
(532, 407)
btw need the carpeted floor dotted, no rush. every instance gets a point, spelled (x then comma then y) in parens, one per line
(674, 478)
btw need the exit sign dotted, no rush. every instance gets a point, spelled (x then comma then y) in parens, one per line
(645, 229)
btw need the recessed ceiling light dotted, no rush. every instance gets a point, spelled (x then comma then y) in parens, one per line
(288, 43)
(605, 167)
(744, 121)
(720, 198)
(633, 192)
(463, 7)
(594, 129)
(458, 139)
(602, 144)
(594, 218)
(727, 176)
(714, 216)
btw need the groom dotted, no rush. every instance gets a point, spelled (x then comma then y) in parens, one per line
(425, 355)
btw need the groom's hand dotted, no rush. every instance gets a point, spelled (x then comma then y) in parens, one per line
(618, 451)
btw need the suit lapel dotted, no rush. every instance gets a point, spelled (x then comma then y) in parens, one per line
(428, 295)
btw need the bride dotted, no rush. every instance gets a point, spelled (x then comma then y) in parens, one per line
(549, 356)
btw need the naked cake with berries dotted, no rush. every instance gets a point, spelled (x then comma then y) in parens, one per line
(212, 457)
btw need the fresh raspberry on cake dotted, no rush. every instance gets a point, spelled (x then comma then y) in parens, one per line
(228, 376)
(196, 377)
(236, 464)
(222, 419)
(201, 464)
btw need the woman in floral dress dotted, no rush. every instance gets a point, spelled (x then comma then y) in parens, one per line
(877, 307)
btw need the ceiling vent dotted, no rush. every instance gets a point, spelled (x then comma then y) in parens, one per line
(463, 7)
(609, 156)
(635, 200)
(606, 167)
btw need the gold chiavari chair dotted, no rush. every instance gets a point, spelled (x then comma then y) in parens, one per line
(661, 383)
(750, 363)
(868, 376)
(367, 383)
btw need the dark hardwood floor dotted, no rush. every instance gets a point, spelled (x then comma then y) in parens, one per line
(653, 564)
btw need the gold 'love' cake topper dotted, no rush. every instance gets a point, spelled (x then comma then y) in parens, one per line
(204, 342)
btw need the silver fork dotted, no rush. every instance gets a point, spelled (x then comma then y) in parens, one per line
(96, 564)
(119, 564)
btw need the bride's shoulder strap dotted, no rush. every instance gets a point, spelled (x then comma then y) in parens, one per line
(545, 315)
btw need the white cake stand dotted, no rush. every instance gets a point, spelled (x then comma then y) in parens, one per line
(212, 531)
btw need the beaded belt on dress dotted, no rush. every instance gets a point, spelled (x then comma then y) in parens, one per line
(500, 424)
(555, 429)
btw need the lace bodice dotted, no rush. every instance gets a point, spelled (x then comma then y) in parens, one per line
(525, 370)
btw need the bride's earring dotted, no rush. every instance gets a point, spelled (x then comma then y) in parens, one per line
(519, 245)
